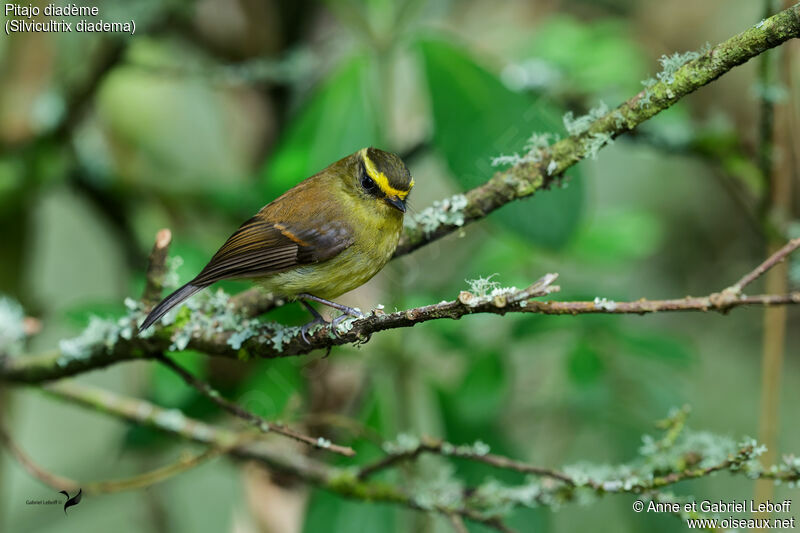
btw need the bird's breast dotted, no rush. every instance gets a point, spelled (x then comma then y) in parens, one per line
(373, 247)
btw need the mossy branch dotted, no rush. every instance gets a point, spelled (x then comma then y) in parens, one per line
(258, 422)
(679, 455)
(526, 178)
(214, 330)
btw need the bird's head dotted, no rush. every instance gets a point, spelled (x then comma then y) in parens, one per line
(381, 177)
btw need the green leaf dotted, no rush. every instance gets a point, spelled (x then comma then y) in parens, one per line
(338, 120)
(477, 118)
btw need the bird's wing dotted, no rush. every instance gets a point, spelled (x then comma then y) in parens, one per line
(260, 247)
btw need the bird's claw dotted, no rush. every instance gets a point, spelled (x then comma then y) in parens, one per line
(309, 325)
(335, 325)
(350, 313)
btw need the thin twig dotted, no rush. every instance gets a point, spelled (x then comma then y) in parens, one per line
(505, 186)
(770, 262)
(156, 269)
(458, 523)
(342, 481)
(139, 481)
(263, 425)
(43, 475)
(54, 365)
(435, 446)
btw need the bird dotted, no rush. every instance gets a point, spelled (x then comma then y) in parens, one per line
(327, 235)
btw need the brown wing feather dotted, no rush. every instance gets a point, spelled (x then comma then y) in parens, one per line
(261, 247)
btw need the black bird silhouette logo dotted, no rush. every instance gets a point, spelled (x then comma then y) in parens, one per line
(75, 500)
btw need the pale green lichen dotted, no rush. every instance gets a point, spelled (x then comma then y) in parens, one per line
(237, 338)
(594, 142)
(171, 419)
(619, 119)
(532, 151)
(206, 314)
(344, 326)
(171, 278)
(404, 443)
(580, 125)
(211, 313)
(478, 448)
(434, 486)
(201, 432)
(671, 63)
(449, 212)
(646, 98)
(100, 334)
(495, 498)
(482, 287)
(605, 304)
(12, 326)
(679, 451)
(483, 290)
(282, 335)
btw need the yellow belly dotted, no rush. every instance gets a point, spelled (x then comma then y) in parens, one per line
(351, 268)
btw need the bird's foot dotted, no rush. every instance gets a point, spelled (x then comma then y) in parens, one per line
(335, 325)
(347, 313)
(318, 320)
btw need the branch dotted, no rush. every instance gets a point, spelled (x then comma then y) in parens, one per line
(246, 338)
(260, 423)
(479, 505)
(770, 262)
(105, 487)
(244, 446)
(156, 269)
(526, 178)
(474, 453)
(213, 331)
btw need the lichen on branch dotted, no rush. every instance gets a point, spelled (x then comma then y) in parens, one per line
(682, 74)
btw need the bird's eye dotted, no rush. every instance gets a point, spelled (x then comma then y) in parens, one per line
(369, 184)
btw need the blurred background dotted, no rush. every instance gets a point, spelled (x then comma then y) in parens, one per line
(214, 107)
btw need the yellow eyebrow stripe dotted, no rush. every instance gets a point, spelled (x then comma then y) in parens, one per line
(381, 179)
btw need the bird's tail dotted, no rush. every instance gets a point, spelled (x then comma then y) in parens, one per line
(168, 303)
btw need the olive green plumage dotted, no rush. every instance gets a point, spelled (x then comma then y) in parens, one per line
(326, 236)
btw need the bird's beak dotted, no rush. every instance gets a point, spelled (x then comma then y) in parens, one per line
(396, 202)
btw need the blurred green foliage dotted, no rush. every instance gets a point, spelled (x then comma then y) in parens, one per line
(464, 95)
(164, 146)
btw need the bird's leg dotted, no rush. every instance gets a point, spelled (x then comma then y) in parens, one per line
(343, 308)
(317, 320)
(348, 311)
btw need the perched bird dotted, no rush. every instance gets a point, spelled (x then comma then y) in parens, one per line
(322, 238)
